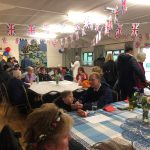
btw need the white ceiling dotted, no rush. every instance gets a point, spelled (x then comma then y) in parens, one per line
(41, 12)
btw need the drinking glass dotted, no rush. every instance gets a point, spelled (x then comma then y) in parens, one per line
(94, 107)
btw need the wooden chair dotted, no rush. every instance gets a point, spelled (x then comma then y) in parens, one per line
(7, 102)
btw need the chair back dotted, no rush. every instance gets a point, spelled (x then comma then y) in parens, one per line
(26, 98)
(78, 93)
(51, 96)
(115, 95)
(68, 77)
(9, 140)
(4, 91)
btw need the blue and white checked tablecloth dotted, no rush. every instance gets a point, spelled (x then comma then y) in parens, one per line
(88, 133)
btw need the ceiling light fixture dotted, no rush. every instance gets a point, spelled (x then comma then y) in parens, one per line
(80, 17)
(56, 28)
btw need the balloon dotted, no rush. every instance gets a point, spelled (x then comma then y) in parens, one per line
(8, 49)
(5, 53)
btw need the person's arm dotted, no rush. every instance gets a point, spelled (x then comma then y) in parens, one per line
(137, 70)
(105, 99)
(85, 100)
(75, 64)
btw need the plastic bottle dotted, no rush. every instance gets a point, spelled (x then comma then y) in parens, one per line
(37, 79)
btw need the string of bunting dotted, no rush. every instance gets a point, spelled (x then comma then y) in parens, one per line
(83, 29)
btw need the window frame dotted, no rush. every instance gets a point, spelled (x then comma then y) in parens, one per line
(91, 55)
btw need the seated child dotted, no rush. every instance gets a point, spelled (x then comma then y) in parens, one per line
(67, 102)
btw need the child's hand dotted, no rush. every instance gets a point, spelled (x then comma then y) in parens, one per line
(82, 113)
(78, 105)
(73, 106)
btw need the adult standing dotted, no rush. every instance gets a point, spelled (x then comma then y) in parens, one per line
(109, 70)
(127, 67)
(75, 66)
(2, 63)
(26, 62)
(140, 58)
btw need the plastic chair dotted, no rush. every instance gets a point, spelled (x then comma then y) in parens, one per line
(78, 93)
(50, 97)
(7, 101)
(68, 77)
(115, 95)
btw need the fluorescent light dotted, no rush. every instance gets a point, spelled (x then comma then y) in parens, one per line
(76, 17)
(79, 17)
(140, 2)
(44, 35)
(96, 18)
(57, 28)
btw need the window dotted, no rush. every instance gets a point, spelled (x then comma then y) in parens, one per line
(115, 53)
(88, 58)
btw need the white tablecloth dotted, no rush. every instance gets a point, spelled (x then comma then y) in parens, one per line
(48, 86)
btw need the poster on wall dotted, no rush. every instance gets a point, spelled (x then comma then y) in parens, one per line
(37, 52)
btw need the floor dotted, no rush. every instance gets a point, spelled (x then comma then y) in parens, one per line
(16, 121)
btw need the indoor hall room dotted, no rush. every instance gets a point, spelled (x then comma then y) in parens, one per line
(74, 74)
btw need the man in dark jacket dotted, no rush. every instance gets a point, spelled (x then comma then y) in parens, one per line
(127, 66)
(99, 93)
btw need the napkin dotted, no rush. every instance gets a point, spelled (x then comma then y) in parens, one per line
(109, 108)
(126, 100)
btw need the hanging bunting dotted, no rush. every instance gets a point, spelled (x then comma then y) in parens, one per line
(49, 42)
(66, 40)
(124, 6)
(4, 39)
(135, 29)
(126, 38)
(17, 40)
(119, 31)
(96, 27)
(116, 13)
(71, 38)
(91, 26)
(11, 29)
(86, 23)
(93, 42)
(110, 23)
(31, 29)
(98, 37)
(106, 32)
(83, 32)
(54, 43)
(137, 44)
(62, 42)
(140, 37)
(77, 27)
(77, 35)
(147, 36)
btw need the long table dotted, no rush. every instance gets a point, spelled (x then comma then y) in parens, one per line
(45, 87)
(101, 126)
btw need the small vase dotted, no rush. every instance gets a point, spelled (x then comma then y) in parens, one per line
(57, 82)
(145, 115)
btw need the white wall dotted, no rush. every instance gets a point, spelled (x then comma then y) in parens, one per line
(53, 56)
(12, 44)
